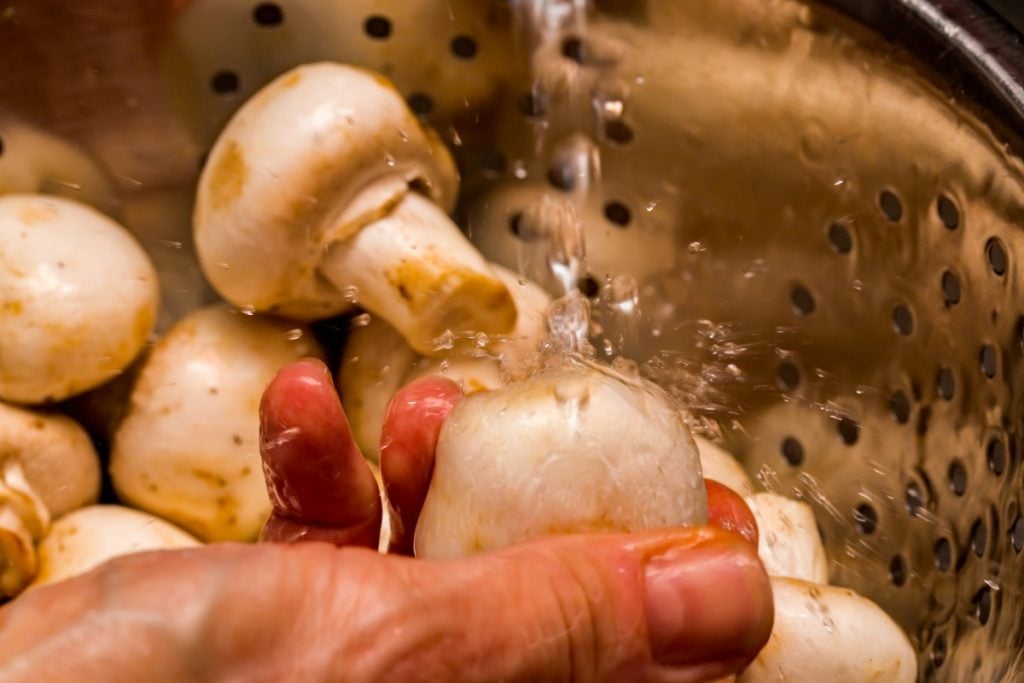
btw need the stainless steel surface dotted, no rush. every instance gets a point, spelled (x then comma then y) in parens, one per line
(826, 245)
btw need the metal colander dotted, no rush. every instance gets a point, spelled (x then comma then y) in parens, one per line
(823, 240)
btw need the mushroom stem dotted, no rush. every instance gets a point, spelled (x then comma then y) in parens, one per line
(23, 520)
(415, 269)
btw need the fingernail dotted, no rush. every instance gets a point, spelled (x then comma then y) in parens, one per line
(707, 604)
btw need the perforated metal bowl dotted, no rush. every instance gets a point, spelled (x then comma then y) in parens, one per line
(823, 229)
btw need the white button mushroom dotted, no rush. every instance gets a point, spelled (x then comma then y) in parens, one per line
(86, 538)
(78, 298)
(307, 204)
(720, 465)
(377, 362)
(47, 467)
(188, 447)
(574, 449)
(34, 162)
(789, 544)
(824, 633)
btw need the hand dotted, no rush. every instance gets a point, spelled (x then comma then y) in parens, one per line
(666, 606)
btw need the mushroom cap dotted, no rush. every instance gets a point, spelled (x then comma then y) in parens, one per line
(55, 454)
(36, 162)
(827, 633)
(78, 298)
(720, 465)
(313, 157)
(788, 543)
(573, 449)
(188, 447)
(86, 538)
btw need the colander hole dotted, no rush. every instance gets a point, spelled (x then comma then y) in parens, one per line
(589, 286)
(1020, 332)
(865, 518)
(268, 14)
(943, 554)
(898, 570)
(939, 650)
(840, 238)
(532, 105)
(225, 82)
(996, 254)
(377, 27)
(957, 478)
(988, 360)
(572, 48)
(995, 453)
(792, 451)
(618, 131)
(463, 47)
(948, 213)
(899, 405)
(421, 104)
(982, 602)
(802, 300)
(914, 498)
(979, 538)
(492, 163)
(517, 227)
(946, 384)
(1017, 535)
(891, 206)
(617, 213)
(950, 288)
(902, 319)
(787, 376)
(562, 177)
(849, 430)
(1, 146)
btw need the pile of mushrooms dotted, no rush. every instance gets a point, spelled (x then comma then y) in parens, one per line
(350, 209)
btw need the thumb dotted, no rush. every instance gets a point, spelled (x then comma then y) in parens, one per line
(672, 606)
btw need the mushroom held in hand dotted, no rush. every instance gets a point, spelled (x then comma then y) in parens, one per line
(574, 449)
(789, 544)
(88, 537)
(47, 467)
(188, 449)
(377, 362)
(323, 189)
(825, 633)
(78, 298)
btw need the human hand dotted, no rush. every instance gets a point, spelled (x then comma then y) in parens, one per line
(665, 606)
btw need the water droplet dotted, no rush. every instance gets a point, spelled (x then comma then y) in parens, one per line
(389, 160)
(361, 320)
(650, 206)
(294, 334)
(696, 248)
(225, 266)
(445, 342)
(350, 294)
(248, 310)
(173, 244)
(519, 169)
(609, 348)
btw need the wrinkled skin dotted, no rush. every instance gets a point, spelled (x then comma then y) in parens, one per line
(668, 606)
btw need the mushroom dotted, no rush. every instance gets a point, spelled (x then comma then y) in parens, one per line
(574, 448)
(78, 298)
(720, 465)
(32, 161)
(188, 447)
(377, 362)
(789, 544)
(86, 538)
(47, 467)
(825, 633)
(324, 190)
